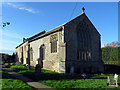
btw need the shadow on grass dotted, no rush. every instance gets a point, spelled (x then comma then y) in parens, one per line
(7, 76)
(57, 76)
(50, 75)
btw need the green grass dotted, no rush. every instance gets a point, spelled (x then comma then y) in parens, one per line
(57, 80)
(9, 81)
(98, 81)
(21, 67)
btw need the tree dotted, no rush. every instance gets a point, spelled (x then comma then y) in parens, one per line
(13, 57)
(7, 23)
(113, 44)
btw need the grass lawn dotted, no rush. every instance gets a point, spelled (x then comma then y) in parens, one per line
(9, 81)
(57, 80)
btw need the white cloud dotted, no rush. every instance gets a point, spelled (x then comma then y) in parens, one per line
(30, 10)
(27, 9)
(22, 8)
(3, 41)
(13, 5)
(12, 35)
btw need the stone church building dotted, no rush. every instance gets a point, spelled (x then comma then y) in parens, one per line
(74, 47)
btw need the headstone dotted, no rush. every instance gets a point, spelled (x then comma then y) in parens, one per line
(17, 63)
(81, 70)
(6, 64)
(29, 67)
(37, 70)
(72, 70)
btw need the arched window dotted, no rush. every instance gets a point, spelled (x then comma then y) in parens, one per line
(31, 54)
(22, 55)
(41, 55)
(42, 52)
(53, 40)
(83, 41)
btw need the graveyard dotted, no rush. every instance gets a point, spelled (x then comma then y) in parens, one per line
(61, 80)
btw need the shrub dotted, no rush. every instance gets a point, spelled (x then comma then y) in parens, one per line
(3, 62)
(18, 68)
(110, 54)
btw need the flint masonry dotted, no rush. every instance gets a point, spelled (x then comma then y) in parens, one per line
(72, 47)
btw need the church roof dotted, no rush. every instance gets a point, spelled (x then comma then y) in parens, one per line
(54, 30)
(59, 27)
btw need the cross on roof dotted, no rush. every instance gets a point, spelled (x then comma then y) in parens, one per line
(83, 9)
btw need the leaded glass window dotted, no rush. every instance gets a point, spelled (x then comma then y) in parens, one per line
(83, 41)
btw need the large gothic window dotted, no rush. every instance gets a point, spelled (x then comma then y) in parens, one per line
(83, 41)
(53, 40)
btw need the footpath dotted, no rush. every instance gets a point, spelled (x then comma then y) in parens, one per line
(28, 81)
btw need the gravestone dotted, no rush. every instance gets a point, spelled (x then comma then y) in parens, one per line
(29, 67)
(17, 63)
(37, 70)
(72, 70)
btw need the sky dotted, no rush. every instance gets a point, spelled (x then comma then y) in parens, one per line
(29, 18)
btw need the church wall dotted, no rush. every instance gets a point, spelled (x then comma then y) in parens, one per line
(71, 45)
(21, 53)
(18, 54)
(96, 53)
(51, 61)
(95, 64)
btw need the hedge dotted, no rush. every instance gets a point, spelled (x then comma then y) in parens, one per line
(111, 53)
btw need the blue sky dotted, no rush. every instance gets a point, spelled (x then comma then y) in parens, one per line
(28, 19)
